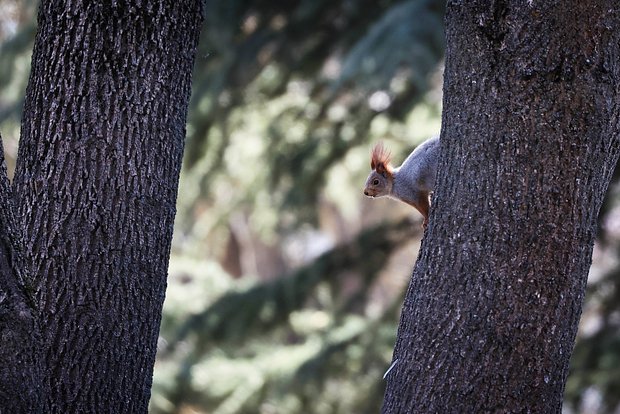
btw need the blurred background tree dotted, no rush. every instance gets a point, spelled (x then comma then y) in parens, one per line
(285, 282)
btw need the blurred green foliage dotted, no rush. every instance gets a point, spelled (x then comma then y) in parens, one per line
(285, 283)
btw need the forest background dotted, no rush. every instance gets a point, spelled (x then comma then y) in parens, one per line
(285, 283)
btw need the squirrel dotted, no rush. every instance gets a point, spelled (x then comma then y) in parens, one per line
(412, 182)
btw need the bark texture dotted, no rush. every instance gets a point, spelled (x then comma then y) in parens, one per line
(529, 141)
(96, 186)
(20, 368)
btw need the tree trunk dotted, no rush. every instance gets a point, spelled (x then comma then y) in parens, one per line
(530, 138)
(96, 186)
(20, 367)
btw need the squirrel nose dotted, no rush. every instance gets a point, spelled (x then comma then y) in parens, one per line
(365, 192)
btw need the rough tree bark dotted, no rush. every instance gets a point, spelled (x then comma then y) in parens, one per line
(529, 141)
(94, 191)
(20, 366)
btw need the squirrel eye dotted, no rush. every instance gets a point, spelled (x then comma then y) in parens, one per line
(375, 182)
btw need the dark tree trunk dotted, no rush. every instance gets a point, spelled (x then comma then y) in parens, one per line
(530, 138)
(95, 191)
(20, 366)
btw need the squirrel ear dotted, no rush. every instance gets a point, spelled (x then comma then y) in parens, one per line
(380, 159)
(380, 168)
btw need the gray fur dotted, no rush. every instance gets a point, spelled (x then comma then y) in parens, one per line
(416, 176)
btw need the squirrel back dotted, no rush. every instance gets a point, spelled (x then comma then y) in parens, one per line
(419, 169)
(411, 182)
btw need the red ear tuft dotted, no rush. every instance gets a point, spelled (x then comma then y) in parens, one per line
(380, 159)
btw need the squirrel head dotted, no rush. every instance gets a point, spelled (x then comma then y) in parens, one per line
(379, 182)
